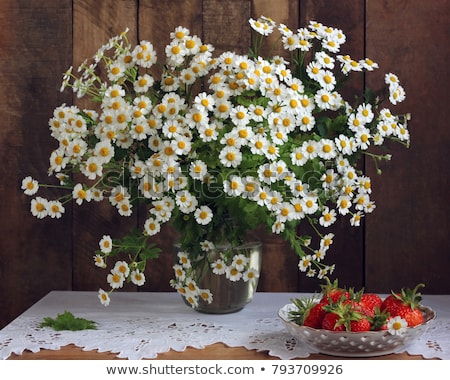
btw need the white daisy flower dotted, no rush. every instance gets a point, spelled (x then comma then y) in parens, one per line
(230, 156)
(326, 241)
(239, 261)
(179, 271)
(198, 169)
(30, 186)
(207, 246)
(328, 217)
(55, 209)
(233, 274)
(152, 226)
(355, 220)
(103, 297)
(218, 267)
(115, 280)
(326, 80)
(397, 326)
(208, 132)
(106, 244)
(124, 208)
(81, 194)
(250, 274)
(203, 215)
(183, 259)
(58, 161)
(205, 295)
(343, 203)
(144, 54)
(234, 186)
(92, 168)
(396, 94)
(99, 261)
(305, 263)
(122, 267)
(262, 26)
(191, 286)
(137, 277)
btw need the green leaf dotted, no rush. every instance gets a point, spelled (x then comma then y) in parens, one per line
(67, 321)
(136, 244)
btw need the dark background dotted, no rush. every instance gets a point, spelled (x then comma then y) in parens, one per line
(403, 242)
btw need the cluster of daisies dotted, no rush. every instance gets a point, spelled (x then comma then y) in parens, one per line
(235, 268)
(266, 141)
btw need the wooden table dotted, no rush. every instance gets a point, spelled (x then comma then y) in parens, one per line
(125, 304)
(217, 351)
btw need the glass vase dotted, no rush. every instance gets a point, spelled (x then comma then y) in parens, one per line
(227, 275)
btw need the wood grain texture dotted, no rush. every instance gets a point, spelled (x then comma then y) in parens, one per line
(408, 233)
(35, 49)
(157, 19)
(94, 23)
(225, 25)
(217, 351)
(348, 249)
(402, 242)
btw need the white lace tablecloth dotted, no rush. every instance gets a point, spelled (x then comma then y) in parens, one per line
(141, 325)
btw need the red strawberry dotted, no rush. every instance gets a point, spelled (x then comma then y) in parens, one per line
(345, 315)
(307, 313)
(362, 324)
(414, 317)
(315, 316)
(357, 316)
(332, 321)
(370, 301)
(332, 293)
(405, 305)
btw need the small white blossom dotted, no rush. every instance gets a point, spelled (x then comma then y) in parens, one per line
(397, 326)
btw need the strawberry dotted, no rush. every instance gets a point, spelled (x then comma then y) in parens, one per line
(308, 312)
(345, 315)
(332, 321)
(370, 301)
(358, 317)
(362, 324)
(405, 304)
(315, 316)
(332, 292)
(413, 317)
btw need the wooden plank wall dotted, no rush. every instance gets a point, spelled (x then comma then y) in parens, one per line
(402, 243)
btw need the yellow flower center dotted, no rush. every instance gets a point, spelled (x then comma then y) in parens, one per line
(250, 187)
(240, 115)
(92, 167)
(327, 148)
(397, 325)
(231, 141)
(223, 108)
(230, 156)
